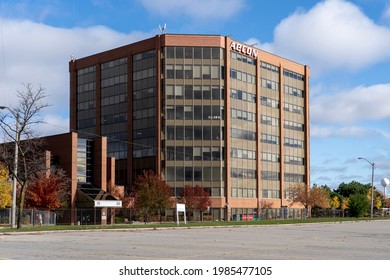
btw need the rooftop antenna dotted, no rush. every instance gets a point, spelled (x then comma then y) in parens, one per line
(162, 29)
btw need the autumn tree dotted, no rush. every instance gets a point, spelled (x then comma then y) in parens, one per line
(151, 193)
(196, 198)
(119, 193)
(17, 124)
(48, 191)
(5, 188)
(309, 197)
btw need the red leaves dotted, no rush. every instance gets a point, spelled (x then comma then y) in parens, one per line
(196, 198)
(47, 192)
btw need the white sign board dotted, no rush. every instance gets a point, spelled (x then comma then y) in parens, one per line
(108, 203)
(180, 207)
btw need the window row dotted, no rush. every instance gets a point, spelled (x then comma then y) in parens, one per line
(243, 58)
(144, 113)
(144, 152)
(190, 92)
(84, 123)
(193, 52)
(292, 177)
(270, 175)
(86, 87)
(293, 108)
(241, 153)
(293, 91)
(269, 102)
(193, 173)
(197, 153)
(293, 125)
(144, 55)
(114, 81)
(242, 76)
(83, 71)
(113, 71)
(86, 78)
(205, 72)
(270, 194)
(144, 103)
(114, 63)
(269, 139)
(144, 93)
(294, 160)
(269, 84)
(116, 118)
(114, 99)
(194, 112)
(267, 120)
(243, 173)
(144, 133)
(143, 74)
(243, 134)
(194, 133)
(242, 95)
(271, 157)
(293, 75)
(241, 192)
(243, 115)
(293, 143)
(269, 67)
(86, 105)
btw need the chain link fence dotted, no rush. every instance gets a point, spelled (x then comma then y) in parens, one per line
(30, 217)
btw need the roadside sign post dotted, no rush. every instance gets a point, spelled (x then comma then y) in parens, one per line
(180, 207)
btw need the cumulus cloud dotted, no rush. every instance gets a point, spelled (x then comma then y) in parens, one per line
(352, 106)
(343, 132)
(200, 9)
(334, 34)
(39, 54)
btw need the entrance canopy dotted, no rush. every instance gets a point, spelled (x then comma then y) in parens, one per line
(90, 196)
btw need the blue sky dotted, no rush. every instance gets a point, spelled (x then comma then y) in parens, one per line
(346, 44)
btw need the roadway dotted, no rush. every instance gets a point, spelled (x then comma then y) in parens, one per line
(323, 241)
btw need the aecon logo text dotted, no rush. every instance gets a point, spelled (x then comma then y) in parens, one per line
(243, 49)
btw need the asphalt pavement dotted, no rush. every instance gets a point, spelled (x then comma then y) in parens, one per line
(366, 240)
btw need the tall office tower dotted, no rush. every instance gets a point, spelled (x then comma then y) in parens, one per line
(200, 110)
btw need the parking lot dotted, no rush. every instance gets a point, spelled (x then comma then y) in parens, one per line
(322, 241)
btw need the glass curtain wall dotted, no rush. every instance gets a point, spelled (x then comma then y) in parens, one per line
(113, 112)
(86, 101)
(243, 132)
(193, 118)
(144, 112)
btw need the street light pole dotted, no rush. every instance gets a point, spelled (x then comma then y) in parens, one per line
(15, 171)
(372, 185)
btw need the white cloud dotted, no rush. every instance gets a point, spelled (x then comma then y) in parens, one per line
(39, 54)
(334, 34)
(386, 14)
(200, 9)
(352, 106)
(343, 132)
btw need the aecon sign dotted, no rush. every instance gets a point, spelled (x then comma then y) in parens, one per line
(243, 49)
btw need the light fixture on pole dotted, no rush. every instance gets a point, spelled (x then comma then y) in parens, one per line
(15, 171)
(372, 185)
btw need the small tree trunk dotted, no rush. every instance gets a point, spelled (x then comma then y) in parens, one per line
(21, 207)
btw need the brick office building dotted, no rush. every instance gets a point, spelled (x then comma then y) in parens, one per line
(199, 109)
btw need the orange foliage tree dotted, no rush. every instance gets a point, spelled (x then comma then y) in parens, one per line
(5, 188)
(196, 198)
(48, 192)
(151, 194)
(309, 197)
